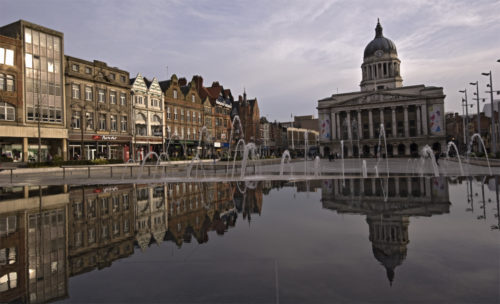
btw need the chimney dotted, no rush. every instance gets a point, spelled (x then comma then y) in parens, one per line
(199, 81)
(182, 81)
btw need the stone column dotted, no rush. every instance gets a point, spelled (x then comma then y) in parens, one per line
(407, 128)
(338, 133)
(65, 149)
(333, 120)
(360, 126)
(418, 121)
(394, 124)
(425, 126)
(370, 122)
(25, 149)
(349, 131)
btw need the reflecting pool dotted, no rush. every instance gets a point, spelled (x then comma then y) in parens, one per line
(397, 239)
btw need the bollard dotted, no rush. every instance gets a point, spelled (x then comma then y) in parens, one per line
(11, 170)
(149, 171)
(88, 171)
(131, 171)
(111, 171)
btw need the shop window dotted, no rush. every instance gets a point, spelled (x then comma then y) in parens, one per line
(7, 112)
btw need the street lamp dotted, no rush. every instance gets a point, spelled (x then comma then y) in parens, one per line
(466, 126)
(478, 111)
(493, 126)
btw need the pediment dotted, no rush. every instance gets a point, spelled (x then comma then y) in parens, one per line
(378, 97)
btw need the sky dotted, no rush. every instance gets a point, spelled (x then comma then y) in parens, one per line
(287, 54)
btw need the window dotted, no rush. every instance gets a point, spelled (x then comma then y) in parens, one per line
(75, 120)
(8, 256)
(50, 65)
(182, 114)
(199, 117)
(175, 114)
(123, 78)
(29, 61)
(88, 93)
(169, 115)
(8, 281)
(102, 121)
(2, 82)
(75, 67)
(88, 70)
(75, 88)
(123, 99)
(101, 95)
(89, 119)
(123, 123)
(114, 123)
(6, 56)
(175, 94)
(112, 76)
(194, 116)
(187, 116)
(10, 83)
(7, 112)
(138, 99)
(112, 97)
(193, 98)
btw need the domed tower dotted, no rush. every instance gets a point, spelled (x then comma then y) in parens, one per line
(380, 68)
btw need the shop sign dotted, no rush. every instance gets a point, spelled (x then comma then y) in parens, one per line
(104, 137)
(216, 144)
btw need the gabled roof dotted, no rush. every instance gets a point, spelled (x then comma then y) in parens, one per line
(164, 85)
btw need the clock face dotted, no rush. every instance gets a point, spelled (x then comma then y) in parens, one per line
(379, 53)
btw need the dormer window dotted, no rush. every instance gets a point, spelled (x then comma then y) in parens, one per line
(192, 98)
(175, 94)
(75, 67)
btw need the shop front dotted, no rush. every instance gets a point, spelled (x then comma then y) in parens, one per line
(143, 146)
(99, 147)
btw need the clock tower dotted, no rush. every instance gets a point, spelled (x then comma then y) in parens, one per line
(380, 68)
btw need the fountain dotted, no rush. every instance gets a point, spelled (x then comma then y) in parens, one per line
(427, 151)
(450, 145)
(248, 148)
(478, 136)
(365, 171)
(242, 142)
(197, 156)
(317, 169)
(144, 162)
(242, 136)
(286, 155)
(382, 133)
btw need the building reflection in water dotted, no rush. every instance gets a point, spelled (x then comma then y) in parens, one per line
(388, 204)
(49, 234)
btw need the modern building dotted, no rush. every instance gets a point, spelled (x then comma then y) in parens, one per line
(411, 116)
(148, 116)
(33, 92)
(98, 110)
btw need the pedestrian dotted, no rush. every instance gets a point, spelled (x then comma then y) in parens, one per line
(436, 155)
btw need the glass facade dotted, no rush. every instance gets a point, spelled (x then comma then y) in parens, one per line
(43, 77)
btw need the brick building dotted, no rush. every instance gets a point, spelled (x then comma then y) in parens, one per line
(98, 110)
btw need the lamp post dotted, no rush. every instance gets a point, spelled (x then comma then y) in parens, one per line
(464, 100)
(493, 127)
(478, 112)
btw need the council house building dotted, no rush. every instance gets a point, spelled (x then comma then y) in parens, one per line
(411, 116)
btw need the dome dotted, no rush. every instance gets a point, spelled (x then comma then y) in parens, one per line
(380, 43)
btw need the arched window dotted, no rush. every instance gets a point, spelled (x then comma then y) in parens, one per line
(7, 112)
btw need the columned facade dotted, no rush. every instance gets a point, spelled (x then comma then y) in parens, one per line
(409, 117)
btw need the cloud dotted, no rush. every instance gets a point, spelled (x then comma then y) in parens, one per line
(286, 53)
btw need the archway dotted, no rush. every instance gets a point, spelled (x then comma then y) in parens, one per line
(401, 149)
(414, 150)
(355, 151)
(326, 152)
(436, 147)
(366, 150)
(390, 150)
